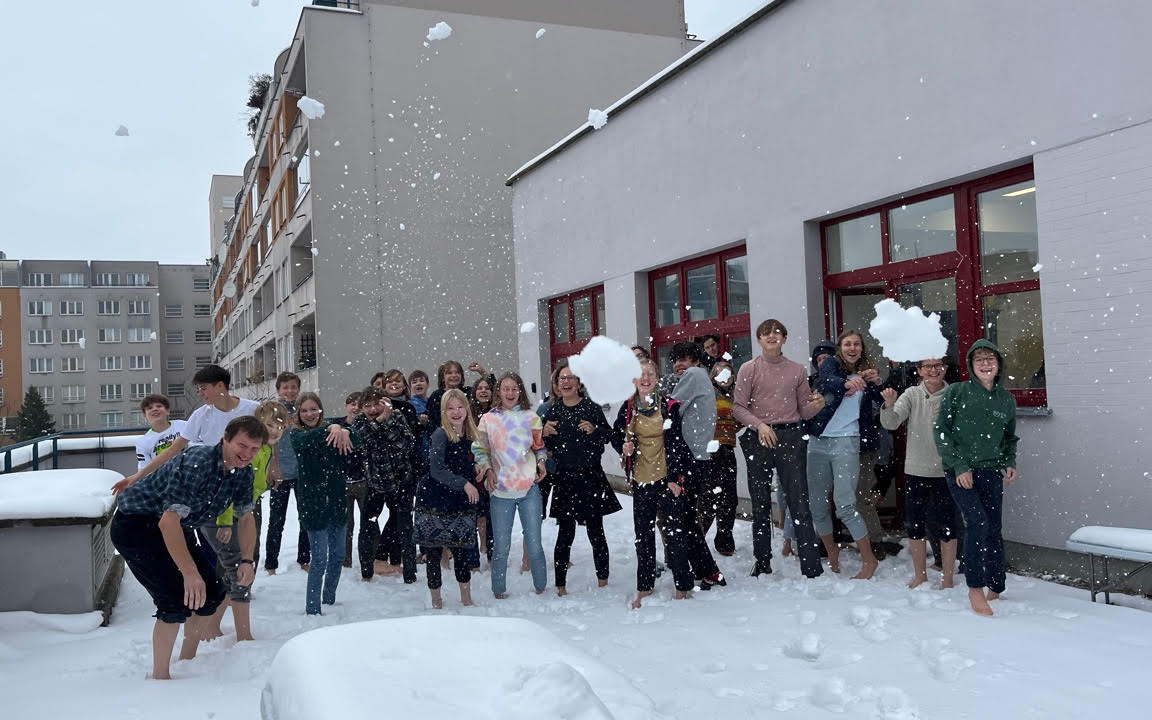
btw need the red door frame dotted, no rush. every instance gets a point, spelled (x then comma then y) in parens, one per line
(558, 351)
(722, 325)
(962, 263)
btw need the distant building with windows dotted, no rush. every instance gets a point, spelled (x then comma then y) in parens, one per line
(95, 337)
(829, 155)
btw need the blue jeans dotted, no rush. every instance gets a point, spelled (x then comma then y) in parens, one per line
(982, 508)
(504, 512)
(834, 466)
(324, 571)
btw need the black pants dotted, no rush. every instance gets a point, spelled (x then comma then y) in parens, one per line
(395, 545)
(982, 508)
(647, 500)
(718, 500)
(459, 564)
(790, 461)
(371, 503)
(139, 541)
(563, 552)
(277, 513)
(695, 479)
(928, 508)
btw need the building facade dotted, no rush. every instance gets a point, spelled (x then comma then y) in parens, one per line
(11, 359)
(986, 161)
(379, 234)
(96, 337)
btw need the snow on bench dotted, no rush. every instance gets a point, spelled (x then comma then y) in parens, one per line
(445, 667)
(42, 494)
(1111, 542)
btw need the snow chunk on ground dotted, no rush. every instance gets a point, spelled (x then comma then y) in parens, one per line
(77, 493)
(907, 334)
(607, 369)
(598, 118)
(527, 327)
(312, 108)
(527, 673)
(540, 33)
(121, 131)
(439, 31)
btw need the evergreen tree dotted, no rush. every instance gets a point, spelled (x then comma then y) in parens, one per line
(33, 419)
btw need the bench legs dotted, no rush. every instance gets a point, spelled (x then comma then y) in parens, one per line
(1106, 585)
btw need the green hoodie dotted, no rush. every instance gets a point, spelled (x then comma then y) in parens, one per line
(976, 428)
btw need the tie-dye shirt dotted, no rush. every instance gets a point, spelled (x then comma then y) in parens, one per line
(511, 444)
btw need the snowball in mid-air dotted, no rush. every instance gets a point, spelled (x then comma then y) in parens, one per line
(606, 368)
(1037, 267)
(229, 289)
(540, 33)
(82, 343)
(121, 131)
(907, 334)
(713, 446)
(312, 108)
(598, 118)
(527, 327)
(439, 31)
(723, 375)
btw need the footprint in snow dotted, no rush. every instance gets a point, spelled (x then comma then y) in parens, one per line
(728, 692)
(713, 668)
(809, 647)
(944, 664)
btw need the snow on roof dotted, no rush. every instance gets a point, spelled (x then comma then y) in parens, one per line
(446, 665)
(40, 494)
(23, 456)
(650, 84)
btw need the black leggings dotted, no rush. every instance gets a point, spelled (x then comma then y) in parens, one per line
(459, 564)
(563, 553)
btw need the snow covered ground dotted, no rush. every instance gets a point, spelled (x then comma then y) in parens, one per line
(777, 646)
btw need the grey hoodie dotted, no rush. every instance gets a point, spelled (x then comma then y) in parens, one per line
(697, 400)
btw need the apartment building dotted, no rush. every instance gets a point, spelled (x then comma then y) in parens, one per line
(11, 362)
(96, 337)
(380, 234)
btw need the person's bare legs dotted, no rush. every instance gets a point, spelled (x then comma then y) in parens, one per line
(640, 598)
(979, 602)
(833, 549)
(561, 591)
(681, 595)
(212, 627)
(919, 551)
(786, 548)
(948, 557)
(437, 601)
(869, 563)
(163, 640)
(466, 594)
(193, 634)
(993, 595)
(243, 618)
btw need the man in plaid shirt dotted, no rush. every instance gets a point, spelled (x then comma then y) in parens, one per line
(153, 525)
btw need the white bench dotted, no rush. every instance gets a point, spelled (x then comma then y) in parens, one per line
(1111, 542)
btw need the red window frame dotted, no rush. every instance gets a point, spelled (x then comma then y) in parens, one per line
(963, 263)
(560, 350)
(723, 325)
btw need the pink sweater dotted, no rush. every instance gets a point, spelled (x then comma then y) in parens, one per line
(773, 391)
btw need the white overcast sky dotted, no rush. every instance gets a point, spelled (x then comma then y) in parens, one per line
(176, 75)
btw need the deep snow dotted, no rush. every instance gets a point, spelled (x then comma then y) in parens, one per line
(777, 646)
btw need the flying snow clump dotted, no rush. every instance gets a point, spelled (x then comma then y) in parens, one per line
(907, 334)
(527, 327)
(607, 369)
(439, 31)
(312, 108)
(598, 118)
(540, 33)
(723, 375)
(1037, 267)
(121, 131)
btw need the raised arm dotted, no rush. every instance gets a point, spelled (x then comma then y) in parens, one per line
(170, 452)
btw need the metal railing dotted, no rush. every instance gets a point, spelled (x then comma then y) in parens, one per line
(349, 4)
(54, 451)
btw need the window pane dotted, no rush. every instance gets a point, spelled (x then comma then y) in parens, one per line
(1008, 244)
(666, 291)
(663, 359)
(922, 229)
(560, 323)
(1013, 322)
(736, 275)
(854, 244)
(740, 348)
(702, 304)
(600, 324)
(582, 314)
(935, 296)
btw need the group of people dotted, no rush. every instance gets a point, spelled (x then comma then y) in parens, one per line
(455, 467)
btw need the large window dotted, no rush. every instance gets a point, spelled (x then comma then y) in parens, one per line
(967, 252)
(108, 307)
(71, 307)
(573, 320)
(703, 296)
(40, 307)
(139, 307)
(40, 336)
(72, 279)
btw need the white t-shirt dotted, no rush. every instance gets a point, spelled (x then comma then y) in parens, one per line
(206, 424)
(153, 443)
